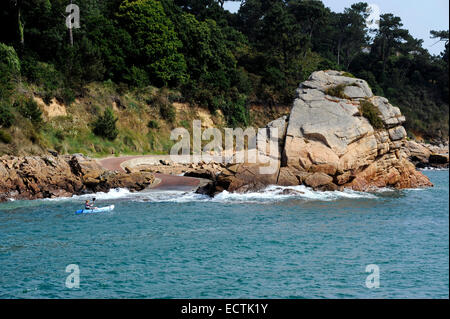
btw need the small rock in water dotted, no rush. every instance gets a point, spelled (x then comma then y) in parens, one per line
(291, 192)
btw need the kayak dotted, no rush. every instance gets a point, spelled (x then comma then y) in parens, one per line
(96, 210)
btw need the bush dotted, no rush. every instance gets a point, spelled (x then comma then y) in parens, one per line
(9, 57)
(235, 110)
(337, 91)
(152, 124)
(167, 111)
(5, 137)
(43, 74)
(137, 77)
(105, 125)
(29, 109)
(6, 117)
(371, 113)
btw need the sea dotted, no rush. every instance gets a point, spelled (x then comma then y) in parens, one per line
(283, 242)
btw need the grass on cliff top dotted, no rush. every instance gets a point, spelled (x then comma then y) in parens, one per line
(371, 113)
(337, 91)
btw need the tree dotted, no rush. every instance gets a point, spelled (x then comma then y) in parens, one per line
(156, 45)
(105, 125)
(389, 37)
(442, 36)
(351, 33)
(310, 16)
(21, 10)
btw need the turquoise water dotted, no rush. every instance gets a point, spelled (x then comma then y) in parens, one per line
(263, 245)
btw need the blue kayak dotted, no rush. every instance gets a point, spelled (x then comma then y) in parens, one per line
(96, 210)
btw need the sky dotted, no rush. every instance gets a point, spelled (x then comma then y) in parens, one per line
(418, 16)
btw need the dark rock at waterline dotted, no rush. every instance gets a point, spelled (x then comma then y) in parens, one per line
(438, 159)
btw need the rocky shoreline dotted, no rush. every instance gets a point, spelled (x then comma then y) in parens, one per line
(328, 142)
(35, 177)
(425, 155)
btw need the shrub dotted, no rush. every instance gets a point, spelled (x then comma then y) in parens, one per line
(337, 91)
(167, 111)
(67, 95)
(137, 77)
(6, 117)
(5, 137)
(59, 134)
(185, 124)
(9, 57)
(371, 113)
(29, 109)
(105, 125)
(236, 112)
(152, 124)
(7, 84)
(43, 74)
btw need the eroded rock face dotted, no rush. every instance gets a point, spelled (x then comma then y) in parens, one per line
(426, 155)
(327, 134)
(34, 177)
(327, 144)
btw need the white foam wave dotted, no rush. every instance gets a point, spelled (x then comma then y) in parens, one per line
(117, 193)
(278, 193)
(268, 195)
(433, 169)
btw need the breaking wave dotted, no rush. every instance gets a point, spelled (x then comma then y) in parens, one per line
(269, 195)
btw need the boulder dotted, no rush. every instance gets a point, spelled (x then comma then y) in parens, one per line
(318, 179)
(329, 145)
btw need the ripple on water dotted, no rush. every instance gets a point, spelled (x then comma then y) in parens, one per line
(267, 244)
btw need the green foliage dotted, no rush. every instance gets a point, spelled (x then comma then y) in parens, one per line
(137, 77)
(162, 101)
(337, 91)
(235, 110)
(6, 116)
(371, 113)
(348, 74)
(167, 112)
(105, 125)
(155, 42)
(9, 70)
(217, 59)
(5, 137)
(29, 109)
(152, 124)
(8, 56)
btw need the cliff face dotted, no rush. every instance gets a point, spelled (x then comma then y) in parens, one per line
(50, 176)
(328, 143)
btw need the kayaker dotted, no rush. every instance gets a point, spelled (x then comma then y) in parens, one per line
(88, 205)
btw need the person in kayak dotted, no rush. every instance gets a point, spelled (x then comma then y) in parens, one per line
(88, 205)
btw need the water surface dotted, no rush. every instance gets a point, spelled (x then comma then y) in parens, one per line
(260, 245)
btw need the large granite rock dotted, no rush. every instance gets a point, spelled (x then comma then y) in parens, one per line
(327, 144)
(33, 177)
(327, 134)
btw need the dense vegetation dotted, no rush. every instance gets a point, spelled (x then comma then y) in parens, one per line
(216, 59)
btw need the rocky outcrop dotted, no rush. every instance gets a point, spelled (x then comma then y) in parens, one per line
(326, 142)
(50, 176)
(426, 155)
